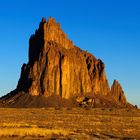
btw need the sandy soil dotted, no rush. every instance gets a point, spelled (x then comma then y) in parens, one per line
(69, 123)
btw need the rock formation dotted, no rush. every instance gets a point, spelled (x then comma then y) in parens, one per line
(118, 93)
(58, 68)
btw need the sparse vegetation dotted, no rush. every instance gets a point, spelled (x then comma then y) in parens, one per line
(79, 123)
(34, 132)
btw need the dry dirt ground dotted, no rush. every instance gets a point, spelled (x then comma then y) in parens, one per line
(69, 123)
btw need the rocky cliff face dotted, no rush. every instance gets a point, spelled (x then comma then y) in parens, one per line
(57, 67)
(118, 93)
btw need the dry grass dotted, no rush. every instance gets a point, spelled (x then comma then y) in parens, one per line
(74, 123)
(35, 132)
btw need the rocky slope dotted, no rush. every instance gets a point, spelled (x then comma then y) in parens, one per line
(57, 67)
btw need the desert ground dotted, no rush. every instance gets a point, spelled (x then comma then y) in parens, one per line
(69, 123)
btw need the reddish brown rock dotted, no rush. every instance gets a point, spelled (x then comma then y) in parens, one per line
(118, 93)
(57, 67)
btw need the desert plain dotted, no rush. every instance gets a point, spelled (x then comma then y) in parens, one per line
(69, 123)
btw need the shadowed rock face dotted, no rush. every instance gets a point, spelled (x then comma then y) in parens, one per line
(57, 67)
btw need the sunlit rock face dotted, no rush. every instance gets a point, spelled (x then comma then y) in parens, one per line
(57, 67)
(118, 93)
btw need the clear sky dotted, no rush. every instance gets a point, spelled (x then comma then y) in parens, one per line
(109, 29)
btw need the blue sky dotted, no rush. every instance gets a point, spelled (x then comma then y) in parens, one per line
(109, 29)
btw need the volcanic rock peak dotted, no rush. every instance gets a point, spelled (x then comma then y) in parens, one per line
(48, 32)
(57, 67)
(53, 32)
(118, 93)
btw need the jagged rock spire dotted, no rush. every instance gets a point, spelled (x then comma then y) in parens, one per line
(118, 93)
(57, 67)
(48, 31)
(43, 20)
(53, 32)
